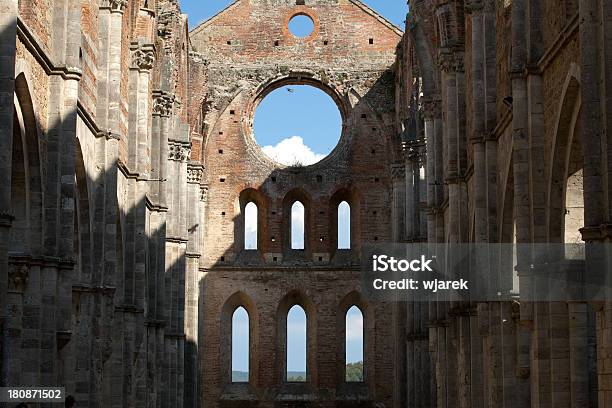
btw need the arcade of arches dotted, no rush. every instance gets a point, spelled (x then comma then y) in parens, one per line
(146, 239)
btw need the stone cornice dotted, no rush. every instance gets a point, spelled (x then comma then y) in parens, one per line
(31, 43)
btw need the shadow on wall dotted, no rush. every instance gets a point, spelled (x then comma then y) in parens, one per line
(320, 278)
(92, 304)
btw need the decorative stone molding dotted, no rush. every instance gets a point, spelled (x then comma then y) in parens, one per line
(6, 219)
(398, 171)
(203, 193)
(143, 57)
(18, 276)
(162, 104)
(178, 151)
(451, 61)
(473, 5)
(117, 6)
(431, 109)
(194, 174)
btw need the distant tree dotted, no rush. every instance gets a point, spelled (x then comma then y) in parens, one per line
(354, 372)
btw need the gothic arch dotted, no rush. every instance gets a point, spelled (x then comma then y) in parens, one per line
(261, 201)
(82, 239)
(355, 298)
(26, 185)
(238, 299)
(565, 147)
(353, 197)
(297, 194)
(296, 297)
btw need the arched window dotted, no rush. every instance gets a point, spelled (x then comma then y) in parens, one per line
(250, 226)
(354, 345)
(297, 225)
(240, 345)
(296, 344)
(344, 225)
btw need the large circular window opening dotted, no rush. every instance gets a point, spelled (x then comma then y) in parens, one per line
(297, 125)
(301, 26)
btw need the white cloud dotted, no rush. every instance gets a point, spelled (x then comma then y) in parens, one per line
(297, 225)
(250, 231)
(354, 327)
(292, 151)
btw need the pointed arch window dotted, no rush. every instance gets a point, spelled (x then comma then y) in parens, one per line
(250, 226)
(354, 345)
(297, 225)
(296, 344)
(240, 345)
(344, 225)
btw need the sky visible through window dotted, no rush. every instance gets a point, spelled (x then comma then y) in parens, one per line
(285, 128)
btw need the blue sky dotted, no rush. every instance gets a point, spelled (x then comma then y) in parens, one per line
(200, 10)
(296, 338)
(302, 125)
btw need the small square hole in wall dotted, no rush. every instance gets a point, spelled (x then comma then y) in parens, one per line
(319, 179)
(373, 129)
(275, 259)
(274, 179)
(376, 179)
(276, 43)
(375, 238)
(220, 132)
(232, 112)
(374, 212)
(220, 151)
(222, 180)
(222, 259)
(325, 42)
(273, 212)
(229, 42)
(321, 212)
(223, 213)
(371, 41)
(320, 259)
(373, 151)
(363, 116)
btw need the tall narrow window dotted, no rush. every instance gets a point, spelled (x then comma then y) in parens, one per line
(250, 226)
(354, 345)
(344, 225)
(240, 345)
(297, 225)
(296, 344)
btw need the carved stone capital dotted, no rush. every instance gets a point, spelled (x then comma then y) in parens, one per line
(431, 109)
(18, 276)
(451, 61)
(203, 193)
(195, 174)
(398, 171)
(117, 6)
(143, 58)
(162, 104)
(178, 151)
(473, 5)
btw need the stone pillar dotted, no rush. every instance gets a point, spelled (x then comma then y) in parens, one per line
(8, 35)
(195, 228)
(398, 211)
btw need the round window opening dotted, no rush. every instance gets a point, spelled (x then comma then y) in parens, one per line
(301, 26)
(297, 125)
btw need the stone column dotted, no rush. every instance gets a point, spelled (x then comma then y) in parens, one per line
(195, 228)
(398, 211)
(8, 35)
